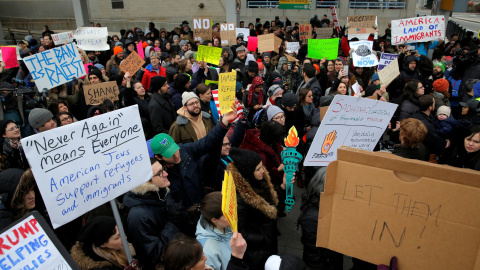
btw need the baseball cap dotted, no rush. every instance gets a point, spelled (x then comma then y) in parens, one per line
(164, 145)
(472, 104)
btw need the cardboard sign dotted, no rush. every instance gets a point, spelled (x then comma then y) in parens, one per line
(378, 205)
(244, 31)
(389, 73)
(96, 93)
(228, 34)
(202, 29)
(92, 38)
(324, 32)
(54, 67)
(132, 63)
(229, 201)
(61, 38)
(418, 29)
(360, 24)
(292, 47)
(9, 56)
(268, 43)
(305, 32)
(81, 166)
(209, 54)
(362, 54)
(386, 59)
(140, 50)
(29, 243)
(321, 48)
(351, 121)
(252, 44)
(335, 19)
(226, 90)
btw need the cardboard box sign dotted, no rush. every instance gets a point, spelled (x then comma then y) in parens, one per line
(378, 205)
(96, 93)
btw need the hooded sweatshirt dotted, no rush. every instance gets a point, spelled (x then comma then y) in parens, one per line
(216, 245)
(197, 124)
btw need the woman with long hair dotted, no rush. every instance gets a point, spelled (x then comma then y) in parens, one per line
(468, 154)
(409, 99)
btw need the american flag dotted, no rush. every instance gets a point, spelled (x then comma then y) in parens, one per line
(237, 105)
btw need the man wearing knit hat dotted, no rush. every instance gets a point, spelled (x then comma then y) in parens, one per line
(183, 48)
(438, 71)
(95, 75)
(114, 61)
(192, 123)
(41, 120)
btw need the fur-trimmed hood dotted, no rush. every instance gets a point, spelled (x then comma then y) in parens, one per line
(84, 261)
(247, 193)
(144, 188)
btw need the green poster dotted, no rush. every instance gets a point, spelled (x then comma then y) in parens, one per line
(321, 48)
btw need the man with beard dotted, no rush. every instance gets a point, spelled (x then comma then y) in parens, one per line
(438, 71)
(192, 123)
(239, 61)
(160, 107)
(269, 68)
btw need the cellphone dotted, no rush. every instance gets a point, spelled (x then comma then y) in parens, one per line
(393, 122)
(345, 68)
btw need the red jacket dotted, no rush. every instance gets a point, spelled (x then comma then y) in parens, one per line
(346, 47)
(149, 73)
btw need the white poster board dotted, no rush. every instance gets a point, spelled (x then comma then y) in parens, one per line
(244, 31)
(389, 73)
(83, 165)
(292, 47)
(362, 54)
(386, 59)
(92, 38)
(418, 29)
(351, 121)
(56, 66)
(60, 39)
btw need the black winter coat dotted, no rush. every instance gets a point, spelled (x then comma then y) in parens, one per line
(162, 114)
(434, 143)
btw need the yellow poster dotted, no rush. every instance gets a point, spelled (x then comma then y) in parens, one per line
(209, 54)
(226, 91)
(229, 201)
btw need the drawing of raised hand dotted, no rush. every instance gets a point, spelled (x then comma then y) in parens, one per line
(329, 139)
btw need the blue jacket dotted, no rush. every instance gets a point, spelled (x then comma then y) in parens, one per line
(216, 245)
(422, 49)
(444, 128)
(455, 88)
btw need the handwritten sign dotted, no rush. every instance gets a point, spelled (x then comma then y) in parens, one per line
(202, 29)
(61, 38)
(54, 67)
(333, 11)
(209, 54)
(29, 243)
(400, 207)
(362, 54)
(389, 73)
(386, 59)
(324, 33)
(226, 90)
(321, 48)
(228, 34)
(292, 47)
(268, 43)
(88, 163)
(351, 121)
(305, 32)
(360, 24)
(418, 29)
(132, 63)
(96, 93)
(229, 201)
(92, 38)
(244, 31)
(9, 56)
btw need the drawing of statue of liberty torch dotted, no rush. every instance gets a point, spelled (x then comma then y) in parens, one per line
(290, 159)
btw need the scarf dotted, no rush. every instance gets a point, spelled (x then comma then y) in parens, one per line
(116, 257)
(14, 145)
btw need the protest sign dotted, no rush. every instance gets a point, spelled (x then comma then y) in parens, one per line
(228, 34)
(140, 50)
(202, 29)
(305, 32)
(324, 33)
(268, 43)
(351, 121)
(360, 24)
(105, 156)
(96, 93)
(209, 54)
(362, 54)
(321, 48)
(226, 90)
(60, 39)
(386, 59)
(422, 213)
(229, 201)
(292, 47)
(92, 38)
(217, 105)
(54, 67)
(252, 44)
(389, 73)
(244, 31)
(132, 63)
(418, 29)
(333, 11)
(29, 243)
(356, 89)
(9, 56)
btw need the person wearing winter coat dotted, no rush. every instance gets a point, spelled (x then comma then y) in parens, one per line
(445, 124)
(311, 82)
(113, 65)
(135, 94)
(153, 69)
(412, 134)
(160, 107)
(181, 84)
(409, 100)
(467, 154)
(12, 148)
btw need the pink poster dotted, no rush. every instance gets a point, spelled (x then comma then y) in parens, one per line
(86, 69)
(140, 50)
(9, 56)
(252, 44)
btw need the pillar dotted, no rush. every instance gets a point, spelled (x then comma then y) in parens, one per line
(80, 10)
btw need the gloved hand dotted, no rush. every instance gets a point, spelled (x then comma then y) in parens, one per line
(393, 265)
(177, 214)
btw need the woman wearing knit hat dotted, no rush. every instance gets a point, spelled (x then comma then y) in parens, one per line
(114, 61)
(441, 92)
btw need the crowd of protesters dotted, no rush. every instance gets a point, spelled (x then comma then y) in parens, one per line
(437, 120)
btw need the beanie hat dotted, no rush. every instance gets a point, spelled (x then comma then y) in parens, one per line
(444, 110)
(289, 99)
(98, 231)
(156, 83)
(176, 37)
(144, 44)
(99, 66)
(375, 77)
(118, 43)
(253, 66)
(440, 85)
(245, 160)
(476, 90)
(441, 65)
(189, 54)
(274, 89)
(260, 64)
(183, 42)
(238, 87)
(269, 54)
(117, 49)
(272, 111)
(317, 67)
(449, 60)
(38, 117)
(186, 96)
(95, 71)
(241, 49)
(139, 31)
(164, 145)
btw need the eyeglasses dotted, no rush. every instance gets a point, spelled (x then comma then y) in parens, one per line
(226, 144)
(159, 174)
(66, 118)
(13, 128)
(196, 103)
(278, 118)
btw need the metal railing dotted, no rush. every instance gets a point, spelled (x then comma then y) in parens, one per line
(262, 4)
(455, 28)
(378, 5)
(327, 4)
